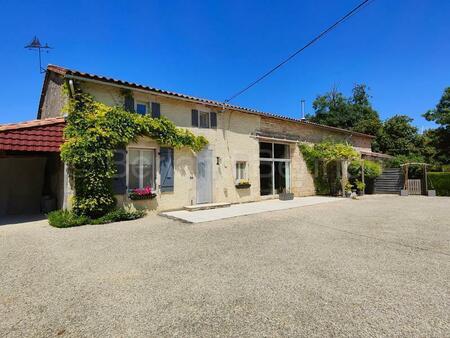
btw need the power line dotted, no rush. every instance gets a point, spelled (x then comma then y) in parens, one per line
(330, 28)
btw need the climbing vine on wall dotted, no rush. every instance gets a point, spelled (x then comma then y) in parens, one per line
(93, 132)
(327, 153)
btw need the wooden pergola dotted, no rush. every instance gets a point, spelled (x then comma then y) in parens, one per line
(405, 168)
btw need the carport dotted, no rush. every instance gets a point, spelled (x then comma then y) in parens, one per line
(31, 171)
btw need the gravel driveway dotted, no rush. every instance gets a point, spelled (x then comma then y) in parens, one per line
(373, 267)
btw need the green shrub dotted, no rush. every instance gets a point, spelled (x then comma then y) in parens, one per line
(67, 219)
(440, 182)
(372, 169)
(119, 215)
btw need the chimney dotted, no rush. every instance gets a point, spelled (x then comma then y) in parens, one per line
(302, 102)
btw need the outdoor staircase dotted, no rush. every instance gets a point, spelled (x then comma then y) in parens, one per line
(389, 182)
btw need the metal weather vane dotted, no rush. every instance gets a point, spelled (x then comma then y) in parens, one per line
(35, 44)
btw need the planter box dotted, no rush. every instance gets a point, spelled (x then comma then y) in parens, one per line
(286, 196)
(243, 186)
(136, 197)
(431, 193)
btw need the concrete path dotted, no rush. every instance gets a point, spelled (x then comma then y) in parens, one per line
(246, 209)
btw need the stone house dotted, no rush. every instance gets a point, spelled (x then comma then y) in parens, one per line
(244, 144)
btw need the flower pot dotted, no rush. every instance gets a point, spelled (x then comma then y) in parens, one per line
(286, 196)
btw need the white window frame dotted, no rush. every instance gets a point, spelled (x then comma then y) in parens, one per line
(274, 159)
(147, 108)
(141, 177)
(200, 119)
(244, 171)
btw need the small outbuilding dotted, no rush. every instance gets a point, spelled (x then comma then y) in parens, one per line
(31, 171)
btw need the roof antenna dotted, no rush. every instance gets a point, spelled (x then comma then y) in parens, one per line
(35, 44)
(302, 102)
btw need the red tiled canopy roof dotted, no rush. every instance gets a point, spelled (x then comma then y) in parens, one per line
(36, 135)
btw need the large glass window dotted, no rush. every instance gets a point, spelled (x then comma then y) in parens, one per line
(141, 168)
(274, 168)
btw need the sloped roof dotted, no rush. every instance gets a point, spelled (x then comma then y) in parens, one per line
(37, 135)
(77, 74)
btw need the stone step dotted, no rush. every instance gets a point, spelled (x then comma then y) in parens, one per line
(206, 206)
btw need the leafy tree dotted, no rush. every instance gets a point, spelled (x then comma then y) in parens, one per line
(354, 113)
(439, 138)
(399, 137)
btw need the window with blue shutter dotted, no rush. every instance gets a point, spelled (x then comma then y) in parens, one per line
(156, 110)
(213, 118)
(119, 182)
(166, 169)
(129, 103)
(194, 117)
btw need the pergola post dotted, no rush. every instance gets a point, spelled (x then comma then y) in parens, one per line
(344, 178)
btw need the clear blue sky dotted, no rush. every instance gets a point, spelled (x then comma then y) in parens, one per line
(211, 49)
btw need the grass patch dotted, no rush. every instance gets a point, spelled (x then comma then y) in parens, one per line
(67, 219)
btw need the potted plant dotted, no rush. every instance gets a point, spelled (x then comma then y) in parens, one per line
(243, 184)
(348, 189)
(141, 194)
(360, 186)
(285, 195)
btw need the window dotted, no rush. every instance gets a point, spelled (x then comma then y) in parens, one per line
(241, 170)
(141, 108)
(204, 119)
(274, 168)
(141, 168)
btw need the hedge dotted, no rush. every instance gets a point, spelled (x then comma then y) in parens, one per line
(440, 182)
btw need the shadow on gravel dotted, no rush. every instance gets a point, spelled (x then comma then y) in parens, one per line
(17, 219)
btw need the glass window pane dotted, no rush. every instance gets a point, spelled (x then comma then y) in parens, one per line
(141, 108)
(265, 177)
(265, 150)
(280, 176)
(281, 150)
(133, 168)
(241, 170)
(148, 161)
(204, 120)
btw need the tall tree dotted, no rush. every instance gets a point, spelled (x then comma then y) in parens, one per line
(354, 113)
(400, 137)
(439, 138)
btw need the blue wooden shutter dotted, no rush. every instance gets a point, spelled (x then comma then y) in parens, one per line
(119, 182)
(129, 103)
(194, 118)
(213, 119)
(166, 168)
(156, 110)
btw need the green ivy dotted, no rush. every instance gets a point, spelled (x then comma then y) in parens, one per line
(93, 132)
(325, 154)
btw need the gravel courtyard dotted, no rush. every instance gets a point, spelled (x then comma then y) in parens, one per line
(372, 267)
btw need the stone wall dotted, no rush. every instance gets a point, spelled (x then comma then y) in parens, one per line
(54, 99)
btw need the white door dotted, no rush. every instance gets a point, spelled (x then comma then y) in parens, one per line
(204, 176)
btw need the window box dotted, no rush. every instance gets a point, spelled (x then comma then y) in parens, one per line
(243, 184)
(141, 194)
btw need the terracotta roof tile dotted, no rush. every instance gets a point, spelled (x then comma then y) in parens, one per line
(71, 72)
(36, 135)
